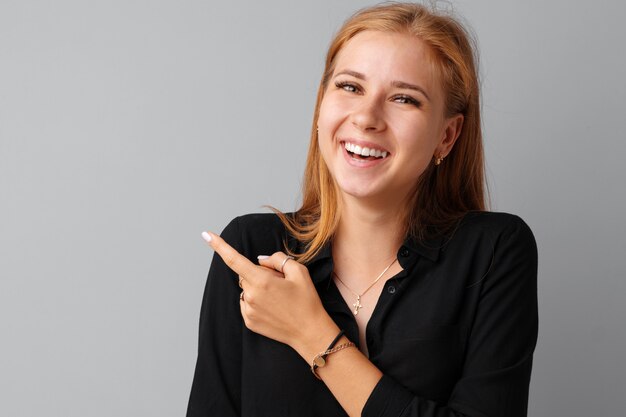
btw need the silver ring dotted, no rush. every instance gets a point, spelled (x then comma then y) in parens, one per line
(284, 262)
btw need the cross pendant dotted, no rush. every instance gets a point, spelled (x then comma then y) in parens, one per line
(357, 306)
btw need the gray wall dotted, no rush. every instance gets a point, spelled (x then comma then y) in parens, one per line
(128, 127)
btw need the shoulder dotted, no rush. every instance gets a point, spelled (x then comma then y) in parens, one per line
(256, 234)
(494, 229)
(256, 223)
(492, 222)
(497, 248)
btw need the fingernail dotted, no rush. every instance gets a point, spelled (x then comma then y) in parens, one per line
(206, 237)
(261, 257)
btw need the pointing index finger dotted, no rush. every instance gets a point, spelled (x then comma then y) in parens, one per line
(235, 261)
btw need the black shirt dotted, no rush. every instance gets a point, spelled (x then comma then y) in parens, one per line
(453, 333)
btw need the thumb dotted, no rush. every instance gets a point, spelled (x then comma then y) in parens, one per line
(279, 261)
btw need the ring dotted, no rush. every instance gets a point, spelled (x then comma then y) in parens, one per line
(241, 297)
(284, 262)
(240, 281)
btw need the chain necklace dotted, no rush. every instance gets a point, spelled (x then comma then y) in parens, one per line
(357, 305)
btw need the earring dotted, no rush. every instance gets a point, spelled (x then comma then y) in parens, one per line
(438, 160)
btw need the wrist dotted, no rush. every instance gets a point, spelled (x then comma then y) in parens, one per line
(316, 339)
(319, 361)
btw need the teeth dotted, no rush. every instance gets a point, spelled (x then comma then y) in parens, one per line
(356, 149)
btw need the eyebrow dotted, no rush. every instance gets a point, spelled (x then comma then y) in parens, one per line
(397, 84)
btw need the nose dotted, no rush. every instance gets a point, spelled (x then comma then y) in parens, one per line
(369, 115)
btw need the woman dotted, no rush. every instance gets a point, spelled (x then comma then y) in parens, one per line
(391, 285)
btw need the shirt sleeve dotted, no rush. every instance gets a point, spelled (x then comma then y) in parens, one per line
(497, 367)
(216, 388)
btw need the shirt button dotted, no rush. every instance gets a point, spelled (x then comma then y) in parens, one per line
(404, 252)
(391, 289)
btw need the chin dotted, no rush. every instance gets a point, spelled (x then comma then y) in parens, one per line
(359, 190)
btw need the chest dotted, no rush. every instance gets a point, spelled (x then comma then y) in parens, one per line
(414, 326)
(361, 305)
(361, 295)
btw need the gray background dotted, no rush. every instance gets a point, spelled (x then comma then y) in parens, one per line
(128, 127)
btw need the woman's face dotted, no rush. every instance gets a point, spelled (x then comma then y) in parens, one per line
(384, 100)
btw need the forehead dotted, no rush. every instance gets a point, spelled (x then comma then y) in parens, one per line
(389, 56)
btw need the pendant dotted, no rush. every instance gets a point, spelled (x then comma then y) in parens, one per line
(357, 306)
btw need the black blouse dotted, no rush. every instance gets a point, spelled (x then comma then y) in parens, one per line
(453, 333)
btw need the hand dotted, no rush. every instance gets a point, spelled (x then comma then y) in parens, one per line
(281, 304)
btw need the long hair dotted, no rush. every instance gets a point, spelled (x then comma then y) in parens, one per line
(444, 193)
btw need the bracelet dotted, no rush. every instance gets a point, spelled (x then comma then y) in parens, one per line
(320, 359)
(336, 339)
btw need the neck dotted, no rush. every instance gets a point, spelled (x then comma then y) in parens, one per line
(367, 236)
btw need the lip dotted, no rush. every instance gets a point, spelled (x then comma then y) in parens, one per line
(358, 163)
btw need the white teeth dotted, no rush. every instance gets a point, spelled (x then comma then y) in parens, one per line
(356, 149)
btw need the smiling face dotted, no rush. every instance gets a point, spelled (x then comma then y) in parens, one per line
(382, 117)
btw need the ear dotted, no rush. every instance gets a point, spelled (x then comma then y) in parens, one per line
(452, 130)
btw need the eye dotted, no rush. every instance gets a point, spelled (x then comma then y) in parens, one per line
(347, 86)
(404, 99)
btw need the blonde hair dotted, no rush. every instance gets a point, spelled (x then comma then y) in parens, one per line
(443, 193)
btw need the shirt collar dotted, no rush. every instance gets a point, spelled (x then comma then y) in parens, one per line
(428, 248)
(321, 264)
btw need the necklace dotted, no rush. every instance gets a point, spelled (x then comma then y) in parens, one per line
(357, 305)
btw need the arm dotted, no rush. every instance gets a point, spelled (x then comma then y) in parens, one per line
(216, 388)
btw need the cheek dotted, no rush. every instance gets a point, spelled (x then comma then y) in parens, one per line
(332, 113)
(418, 134)
(328, 122)
(417, 143)
(324, 134)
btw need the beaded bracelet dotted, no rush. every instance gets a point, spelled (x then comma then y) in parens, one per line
(320, 359)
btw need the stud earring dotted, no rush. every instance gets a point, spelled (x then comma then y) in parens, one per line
(438, 160)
